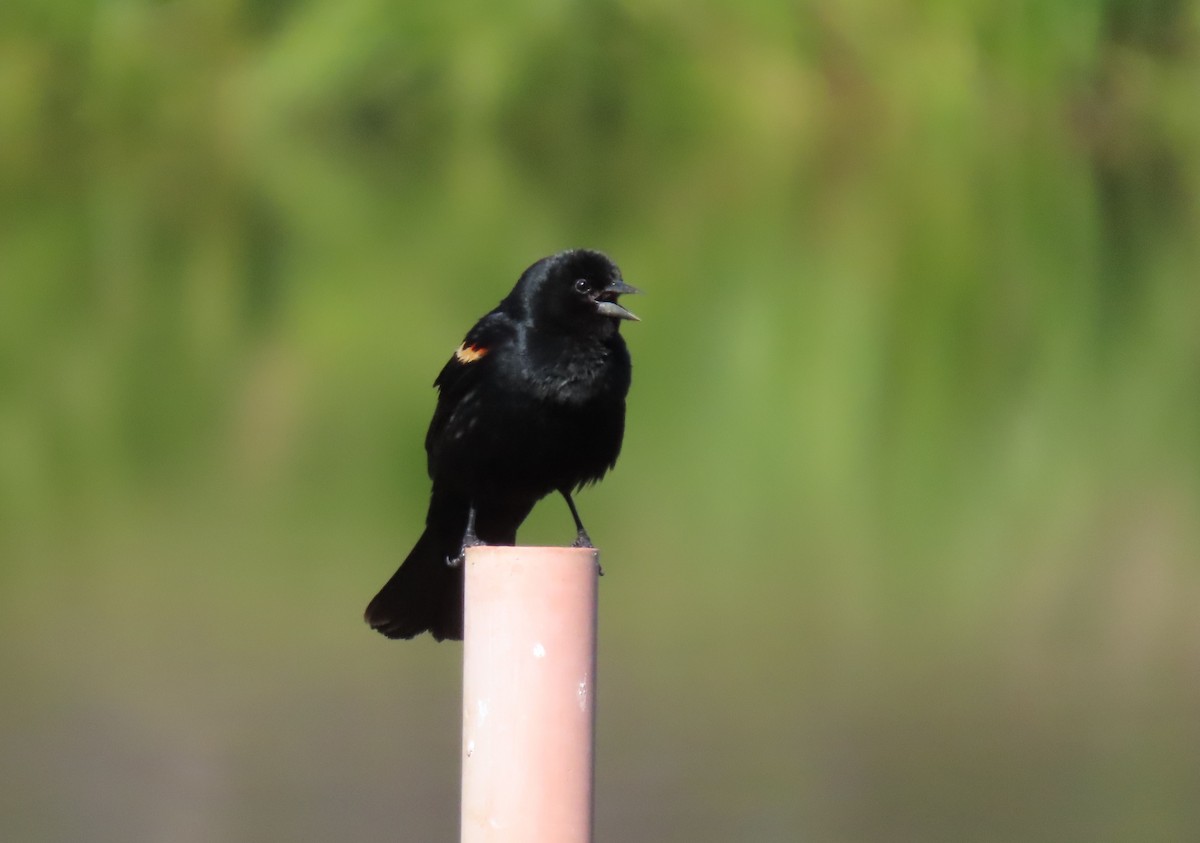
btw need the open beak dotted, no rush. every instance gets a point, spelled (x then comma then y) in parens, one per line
(606, 301)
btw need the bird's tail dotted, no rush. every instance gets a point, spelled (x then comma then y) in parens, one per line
(425, 594)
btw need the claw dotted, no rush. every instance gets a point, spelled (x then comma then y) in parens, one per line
(583, 540)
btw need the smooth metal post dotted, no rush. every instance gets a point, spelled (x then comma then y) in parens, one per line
(529, 691)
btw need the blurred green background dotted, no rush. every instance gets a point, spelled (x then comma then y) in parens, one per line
(903, 542)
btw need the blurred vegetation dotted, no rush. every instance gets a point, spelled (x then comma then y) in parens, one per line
(902, 545)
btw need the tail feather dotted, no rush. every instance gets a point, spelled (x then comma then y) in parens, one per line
(425, 594)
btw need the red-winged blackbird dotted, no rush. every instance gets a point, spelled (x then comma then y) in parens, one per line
(532, 402)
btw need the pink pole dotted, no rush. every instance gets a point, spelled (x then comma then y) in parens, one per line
(529, 691)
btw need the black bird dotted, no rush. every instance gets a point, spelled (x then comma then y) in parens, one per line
(532, 402)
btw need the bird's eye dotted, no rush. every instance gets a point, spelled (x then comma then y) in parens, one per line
(582, 285)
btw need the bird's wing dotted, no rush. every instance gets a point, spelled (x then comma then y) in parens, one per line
(463, 371)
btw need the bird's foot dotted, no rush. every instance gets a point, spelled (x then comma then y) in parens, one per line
(472, 541)
(583, 540)
(469, 540)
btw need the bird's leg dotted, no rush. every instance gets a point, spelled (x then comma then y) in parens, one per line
(581, 536)
(469, 539)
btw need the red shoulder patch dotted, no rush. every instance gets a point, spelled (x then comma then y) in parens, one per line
(469, 353)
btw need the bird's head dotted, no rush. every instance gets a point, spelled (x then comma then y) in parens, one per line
(576, 290)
